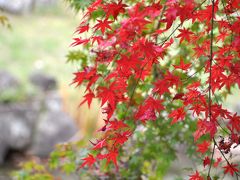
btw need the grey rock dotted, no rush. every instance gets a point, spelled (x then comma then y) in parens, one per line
(16, 126)
(54, 127)
(3, 149)
(20, 134)
(24, 6)
(53, 101)
(26, 112)
(16, 6)
(7, 81)
(43, 82)
(45, 2)
(237, 108)
(35, 125)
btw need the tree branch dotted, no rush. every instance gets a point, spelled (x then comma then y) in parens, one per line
(210, 84)
(211, 162)
(237, 175)
(210, 66)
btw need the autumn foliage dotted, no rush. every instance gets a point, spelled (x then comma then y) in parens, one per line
(162, 61)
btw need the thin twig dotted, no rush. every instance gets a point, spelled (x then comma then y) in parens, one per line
(210, 83)
(192, 75)
(134, 89)
(210, 66)
(217, 121)
(209, 170)
(175, 29)
(236, 173)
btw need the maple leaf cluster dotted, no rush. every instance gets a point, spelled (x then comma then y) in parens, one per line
(133, 42)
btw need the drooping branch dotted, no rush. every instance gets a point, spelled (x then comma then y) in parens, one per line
(210, 83)
(211, 161)
(210, 65)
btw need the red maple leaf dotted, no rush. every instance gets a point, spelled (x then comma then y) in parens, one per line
(148, 110)
(103, 25)
(178, 96)
(235, 122)
(194, 85)
(115, 125)
(89, 161)
(206, 14)
(204, 127)
(206, 161)
(197, 108)
(186, 11)
(89, 73)
(172, 79)
(199, 51)
(211, 128)
(168, 43)
(222, 36)
(94, 6)
(108, 110)
(154, 10)
(161, 87)
(203, 147)
(107, 95)
(78, 41)
(100, 144)
(183, 66)
(121, 138)
(171, 14)
(144, 114)
(231, 169)
(79, 77)
(114, 9)
(88, 98)
(160, 31)
(150, 102)
(82, 29)
(196, 176)
(112, 157)
(217, 162)
(98, 39)
(201, 130)
(146, 47)
(177, 115)
(185, 34)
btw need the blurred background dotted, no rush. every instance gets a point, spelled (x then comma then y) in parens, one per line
(38, 106)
